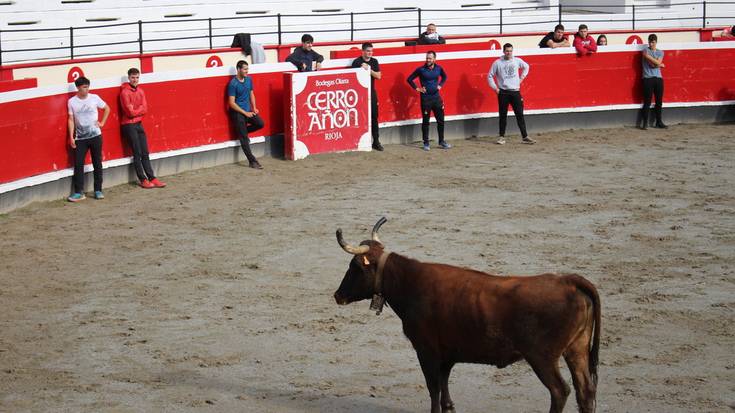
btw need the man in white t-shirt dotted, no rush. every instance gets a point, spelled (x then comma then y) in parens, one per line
(85, 134)
(509, 71)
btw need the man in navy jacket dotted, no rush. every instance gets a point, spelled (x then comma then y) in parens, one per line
(432, 78)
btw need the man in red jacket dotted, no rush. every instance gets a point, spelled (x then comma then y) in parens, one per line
(134, 106)
(583, 42)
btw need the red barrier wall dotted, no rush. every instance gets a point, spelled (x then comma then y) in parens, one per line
(190, 113)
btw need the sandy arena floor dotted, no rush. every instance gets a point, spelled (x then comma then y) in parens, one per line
(215, 294)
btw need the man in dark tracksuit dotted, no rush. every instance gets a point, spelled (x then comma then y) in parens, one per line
(368, 62)
(432, 78)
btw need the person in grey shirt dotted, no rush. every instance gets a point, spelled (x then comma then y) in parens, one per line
(509, 72)
(653, 82)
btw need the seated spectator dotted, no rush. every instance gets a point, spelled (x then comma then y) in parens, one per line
(555, 39)
(729, 32)
(303, 57)
(583, 42)
(602, 40)
(430, 36)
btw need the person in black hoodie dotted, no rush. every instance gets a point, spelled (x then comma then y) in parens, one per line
(303, 57)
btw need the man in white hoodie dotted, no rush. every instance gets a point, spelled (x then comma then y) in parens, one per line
(509, 72)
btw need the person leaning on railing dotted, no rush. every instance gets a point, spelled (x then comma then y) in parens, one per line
(555, 39)
(304, 58)
(728, 32)
(583, 42)
(430, 36)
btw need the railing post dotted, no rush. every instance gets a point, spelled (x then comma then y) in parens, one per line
(704, 14)
(419, 22)
(501, 20)
(140, 36)
(559, 13)
(1, 48)
(210, 33)
(634, 17)
(71, 42)
(352, 26)
(279, 28)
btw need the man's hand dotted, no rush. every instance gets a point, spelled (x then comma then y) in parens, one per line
(421, 89)
(100, 124)
(366, 66)
(249, 114)
(318, 66)
(72, 143)
(256, 111)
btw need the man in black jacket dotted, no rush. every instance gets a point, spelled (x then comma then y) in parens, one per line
(303, 57)
(430, 36)
(368, 62)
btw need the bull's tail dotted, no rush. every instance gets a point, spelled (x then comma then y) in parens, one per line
(589, 289)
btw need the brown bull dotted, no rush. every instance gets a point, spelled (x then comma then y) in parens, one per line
(457, 315)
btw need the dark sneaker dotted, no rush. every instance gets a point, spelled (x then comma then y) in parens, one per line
(661, 126)
(444, 145)
(76, 197)
(378, 147)
(255, 165)
(528, 141)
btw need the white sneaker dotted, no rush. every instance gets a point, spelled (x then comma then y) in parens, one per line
(501, 141)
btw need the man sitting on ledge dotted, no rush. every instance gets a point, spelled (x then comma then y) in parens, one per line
(430, 36)
(303, 57)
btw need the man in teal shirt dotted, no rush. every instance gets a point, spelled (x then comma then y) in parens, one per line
(243, 110)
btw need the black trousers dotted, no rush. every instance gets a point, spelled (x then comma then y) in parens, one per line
(429, 105)
(515, 100)
(135, 134)
(94, 145)
(652, 86)
(374, 118)
(244, 125)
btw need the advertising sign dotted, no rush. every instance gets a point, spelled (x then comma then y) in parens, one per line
(327, 111)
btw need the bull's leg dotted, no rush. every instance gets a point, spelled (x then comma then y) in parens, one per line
(547, 370)
(446, 399)
(585, 389)
(430, 368)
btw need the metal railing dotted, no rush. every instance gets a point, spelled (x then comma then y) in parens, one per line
(76, 42)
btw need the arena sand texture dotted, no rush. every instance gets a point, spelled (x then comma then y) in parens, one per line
(215, 294)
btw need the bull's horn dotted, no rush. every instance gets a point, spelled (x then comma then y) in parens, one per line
(362, 249)
(380, 222)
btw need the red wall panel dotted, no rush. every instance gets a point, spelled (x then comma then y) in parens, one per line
(192, 112)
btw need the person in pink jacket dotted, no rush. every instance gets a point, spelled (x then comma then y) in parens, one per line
(134, 107)
(583, 42)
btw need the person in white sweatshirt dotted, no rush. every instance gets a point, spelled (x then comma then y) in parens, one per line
(509, 72)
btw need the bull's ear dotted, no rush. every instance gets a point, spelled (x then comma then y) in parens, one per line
(365, 260)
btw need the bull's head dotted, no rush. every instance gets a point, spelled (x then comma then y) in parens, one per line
(359, 281)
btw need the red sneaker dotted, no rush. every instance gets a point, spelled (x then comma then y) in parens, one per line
(158, 184)
(146, 184)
